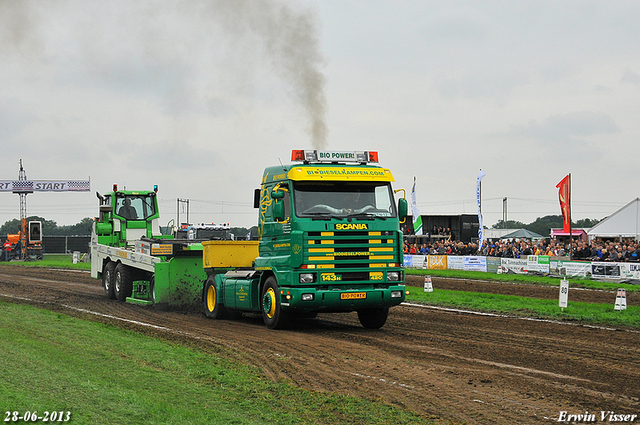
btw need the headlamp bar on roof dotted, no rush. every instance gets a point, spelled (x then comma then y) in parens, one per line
(361, 157)
(205, 226)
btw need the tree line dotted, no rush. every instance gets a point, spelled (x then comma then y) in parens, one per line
(50, 227)
(83, 228)
(542, 226)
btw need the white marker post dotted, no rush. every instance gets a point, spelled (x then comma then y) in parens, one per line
(564, 294)
(428, 287)
(621, 300)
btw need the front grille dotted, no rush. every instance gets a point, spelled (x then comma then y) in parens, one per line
(350, 250)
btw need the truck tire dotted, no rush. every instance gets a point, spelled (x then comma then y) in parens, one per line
(108, 275)
(373, 318)
(123, 285)
(272, 313)
(213, 308)
(152, 289)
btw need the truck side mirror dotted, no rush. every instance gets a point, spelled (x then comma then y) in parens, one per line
(256, 198)
(278, 209)
(278, 206)
(403, 209)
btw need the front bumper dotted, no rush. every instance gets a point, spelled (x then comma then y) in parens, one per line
(340, 298)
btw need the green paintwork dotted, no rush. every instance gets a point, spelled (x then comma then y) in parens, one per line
(177, 278)
(350, 257)
(105, 227)
(178, 281)
(288, 242)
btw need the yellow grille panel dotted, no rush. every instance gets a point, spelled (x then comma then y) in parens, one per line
(351, 249)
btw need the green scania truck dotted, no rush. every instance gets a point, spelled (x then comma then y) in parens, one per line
(329, 241)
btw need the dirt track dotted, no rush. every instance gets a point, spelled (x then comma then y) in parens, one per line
(451, 367)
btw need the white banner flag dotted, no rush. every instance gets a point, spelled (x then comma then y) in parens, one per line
(481, 174)
(417, 218)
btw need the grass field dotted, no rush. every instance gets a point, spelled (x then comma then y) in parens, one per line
(600, 314)
(102, 374)
(53, 260)
(99, 373)
(597, 314)
(522, 278)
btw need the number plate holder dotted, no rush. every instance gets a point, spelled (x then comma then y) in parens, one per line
(353, 295)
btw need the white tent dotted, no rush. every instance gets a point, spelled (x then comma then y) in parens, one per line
(497, 233)
(624, 223)
(523, 234)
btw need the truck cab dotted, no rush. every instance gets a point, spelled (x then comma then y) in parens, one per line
(127, 216)
(329, 241)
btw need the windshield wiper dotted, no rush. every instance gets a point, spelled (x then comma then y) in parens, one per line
(363, 216)
(319, 215)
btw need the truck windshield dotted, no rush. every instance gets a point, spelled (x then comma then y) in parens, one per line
(135, 207)
(343, 199)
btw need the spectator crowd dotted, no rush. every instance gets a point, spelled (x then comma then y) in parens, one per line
(595, 250)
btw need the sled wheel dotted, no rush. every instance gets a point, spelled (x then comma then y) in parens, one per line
(107, 279)
(123, 285)
(152, 289)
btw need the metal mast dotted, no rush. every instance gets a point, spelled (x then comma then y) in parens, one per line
(184, 202)
(22, 176)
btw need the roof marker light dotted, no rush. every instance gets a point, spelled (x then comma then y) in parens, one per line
(297, 155)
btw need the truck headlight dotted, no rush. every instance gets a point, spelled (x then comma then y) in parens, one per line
(307, 278)
(396, 294)
(393, 276)
(307, 297)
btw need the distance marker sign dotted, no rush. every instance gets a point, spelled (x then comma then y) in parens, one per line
(564, 293)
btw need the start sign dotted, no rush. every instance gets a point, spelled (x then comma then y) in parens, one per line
(28, 186)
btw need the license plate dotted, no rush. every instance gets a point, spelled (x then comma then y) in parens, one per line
(353, 295)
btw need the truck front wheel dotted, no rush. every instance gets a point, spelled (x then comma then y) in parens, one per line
(123, 285)
(213, 308)
(107, 279)
(272, 313)
(373, 318)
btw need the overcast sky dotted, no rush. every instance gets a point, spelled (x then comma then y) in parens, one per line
(199, 96)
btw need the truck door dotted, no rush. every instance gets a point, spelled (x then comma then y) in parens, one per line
(276, 237)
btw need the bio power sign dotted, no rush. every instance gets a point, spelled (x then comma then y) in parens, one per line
(336, 156)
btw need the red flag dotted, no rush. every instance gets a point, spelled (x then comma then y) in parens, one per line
(564, 193)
